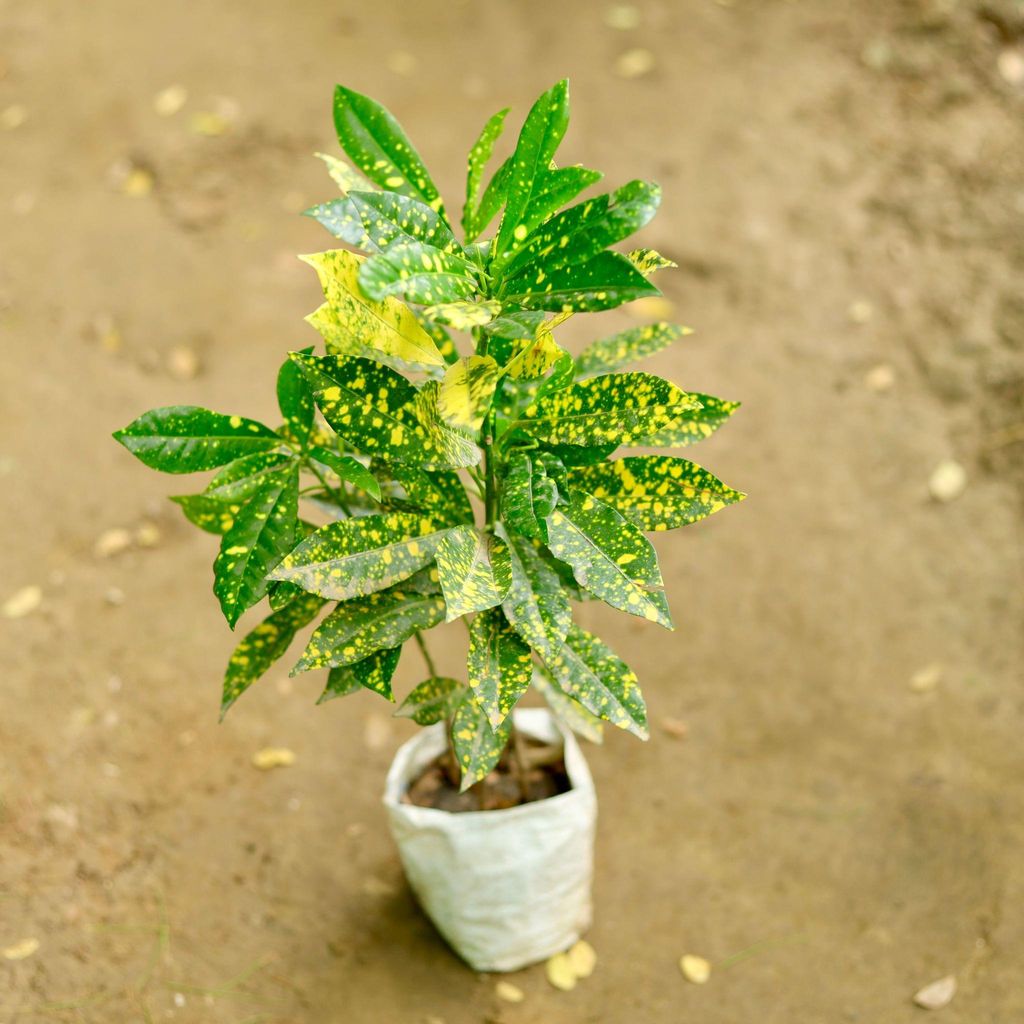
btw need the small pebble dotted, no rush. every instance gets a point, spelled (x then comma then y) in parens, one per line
(112, 542)
(1011, 66)
(560, 973)
(273, 757)
(948, 481)
(183, 363)
(880, 378)
(147, 534)
(20, 950)
(675, 727)
(634, 63)
(582, 959)
(622, 17)
(926, 679)
(508, 992)
(695, 968)
(209, 123)
(179, 999)
(936, 995)
(114, 596)
(167, 102)
(23, 602)
(13, 116)
(137, 183)
(860, 311)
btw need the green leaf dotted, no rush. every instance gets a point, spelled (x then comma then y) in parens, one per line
(242, 478)
(372, 673)
(569, 712)
(439, 494)
(214, 515)
(388, 217)
(528, 495)
(352, 324)
(188, 439)
(581, 232)
(655, 492)
(474, 569)
(464, 316)
(542, 131)
(499, 665)
(295, 400)
(432, 700)
(380, 149)
(446, 447)
(589, 671)
(355, 557)
(264, 645)
(533, 357)
(348, 469)
(420, 272)
(345, 176)
(478, 159)
(627, 347)
(609, 556)
(492, 200)
(536, 607)
(693, 425)
(281, 594)
(604, 281)
(438, 334)
(262, 534)
(466, 392)
(619, 407)
(477, 746)
(357, 629)
(341, 218)
(647, 261)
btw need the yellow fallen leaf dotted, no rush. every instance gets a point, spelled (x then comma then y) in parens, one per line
(582, 959)
(169, 101)
(695, 968)
(926, 679)
(23, 602)
(206, 122)
(509, 992)
(273, 757)
(112, 542)
(560, 973)
(21, 950)
(138, 183)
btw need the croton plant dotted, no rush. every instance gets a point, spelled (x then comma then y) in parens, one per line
(472, 479)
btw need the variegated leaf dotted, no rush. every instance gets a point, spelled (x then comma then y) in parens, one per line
(604, 281)
(528, 495)
(214, 515)
(374, 140)
(627, 347)
(693, 425)
(619, 407)
(532, 358)
(656, 492)
(372, 673)
(344, 175)
(478, 746)
(647, 261)
(466, 392)
(353, 324)
(474, 569)
(569, 712)
(242, 478)
(440, 337)
(464, 316)
(477, 161)
(609, 556)
(499, 665)
(264, 645)
(388, 217)
(536, 606)
(346, 468)
(262, 534)
(420, 272)
(354, 557)
(446, 447)
(188, 439)
(341, 218)
(491, 201)
(295, 400)
(356, 629)
(439, 494)
(432, 700)
(590, 672)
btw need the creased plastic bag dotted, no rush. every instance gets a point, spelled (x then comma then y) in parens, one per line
(506, 888)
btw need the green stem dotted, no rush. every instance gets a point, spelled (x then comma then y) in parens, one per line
(338, 492)
(490, 480)
(427, 659)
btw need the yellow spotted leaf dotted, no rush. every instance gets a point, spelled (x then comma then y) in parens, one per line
(466, 392)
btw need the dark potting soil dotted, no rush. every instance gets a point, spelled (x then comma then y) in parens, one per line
(543, 775)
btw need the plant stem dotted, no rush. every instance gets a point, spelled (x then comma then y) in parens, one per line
(338, 492)
(427, 659)
(490, 481)
(519, 761)
(451, 763)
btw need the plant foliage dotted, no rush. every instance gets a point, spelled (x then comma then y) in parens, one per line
(477, 480)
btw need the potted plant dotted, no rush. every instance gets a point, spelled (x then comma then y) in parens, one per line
(446, 480)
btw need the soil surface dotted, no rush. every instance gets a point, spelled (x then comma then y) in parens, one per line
(841, 820)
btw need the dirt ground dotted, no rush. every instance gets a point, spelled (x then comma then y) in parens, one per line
(844, 190)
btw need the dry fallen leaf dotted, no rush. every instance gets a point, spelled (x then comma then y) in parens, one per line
(137, 183)
(695, 968)
(207, 122)
(582, 959)
(938, 994)
(509, 992)
(147, 534)
(926, 679)
(183, 363)
(169, 101)
(948, 481)
(23, 602)
(560, 973)
(880, 378)
(675, 727)
(273, 757)
(112, 542)
(634, 63)
(21, 950)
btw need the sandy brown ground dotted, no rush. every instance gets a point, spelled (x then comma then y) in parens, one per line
(844, 188)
